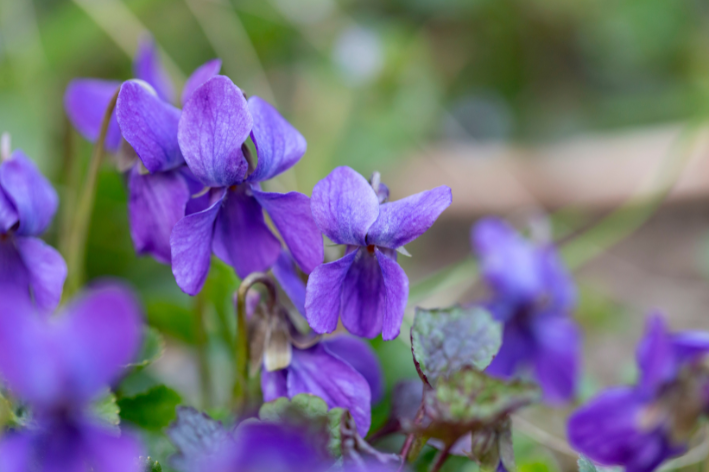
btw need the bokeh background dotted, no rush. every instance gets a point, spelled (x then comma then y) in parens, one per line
(582, 121)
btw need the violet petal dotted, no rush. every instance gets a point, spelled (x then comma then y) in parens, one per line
(241, 237)
(149, 125)
(344, 206)
(46, 270)
(285, 272)
(8, 214)
(156, 203)
(323, 293)
(557, 359)
(191, 246)
(34, 198)
(364, 296)
(655, 356)
(274, 384)
(360, 355)
(396, 286)
(201, 74)
(85, 102)
(317, 372)
(291, 214)
(215, 123)
(278, 144)
(147, 67)
(404, 220)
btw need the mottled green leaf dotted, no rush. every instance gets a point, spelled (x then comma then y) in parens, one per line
(445, 341)
(310, 412)
(151, 410)
(470, 396)
(195, 435)
(107, 409)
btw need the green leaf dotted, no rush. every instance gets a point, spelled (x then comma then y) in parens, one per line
(107, 409)
(195, 435)
(445, 341)
(152, 410)
(172, 319)
(151, 350)
(586, 465)
(310, 412)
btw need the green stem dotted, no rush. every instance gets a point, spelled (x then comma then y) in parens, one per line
(205, 373)
(241, 354)
(75, 248)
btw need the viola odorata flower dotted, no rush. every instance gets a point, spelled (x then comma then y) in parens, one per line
(58, 366)
(534, 296)
(27, 205)
(160, 185)
(638, 427)
(366, 287)
(213, 129)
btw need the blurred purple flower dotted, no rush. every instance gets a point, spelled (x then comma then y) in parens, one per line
(366, 287)
(213, 128)
(639, 427)
(58, 366)
(533, 295)
(27, 205)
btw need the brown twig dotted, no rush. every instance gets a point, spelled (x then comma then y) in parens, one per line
(441, 459)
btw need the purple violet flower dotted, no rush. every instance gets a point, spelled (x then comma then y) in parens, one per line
(213, 128)
(533, 295)
(58, 366)
(366, 287)
(27, 205)
(639, 427)
(342, 370)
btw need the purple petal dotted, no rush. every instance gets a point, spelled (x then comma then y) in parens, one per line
(241, 237)
(344, 206)
(278, 144)
(274, 384)
(111, 453)
(557, 358)
(290, 213)
(360, 355)
(690, 346)
(404, 220)
(215, 123)
(655, 356)
(149, 125)
(285, 272)
(8, 214)
(191, 245)
(323, 294)
(16, 452)
(317, 372)
(147, 67)
(364, 300)
(396, 285)
(46, 271)
(13, 272)
(31, 193)
(517, 349)
(99, 335)
(509, 263)
(156, 203)
(608, 431)
(30, 360)
(85, 102)
(202, 74)
(559, 284)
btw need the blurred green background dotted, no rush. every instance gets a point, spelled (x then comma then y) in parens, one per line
(370, 83)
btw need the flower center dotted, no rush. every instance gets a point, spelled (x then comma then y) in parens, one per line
(370, 248)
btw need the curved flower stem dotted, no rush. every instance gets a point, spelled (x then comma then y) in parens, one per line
(441, 459)
(75, 248)
(410, 438)
(241, 354)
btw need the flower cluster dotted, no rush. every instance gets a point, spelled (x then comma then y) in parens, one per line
(196, 179)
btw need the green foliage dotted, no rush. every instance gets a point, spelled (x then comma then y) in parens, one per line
(172, 319)
(107, 409)
(309, 412)
(151, 465)
(194, 434)
(151, 410)
(446, 340)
